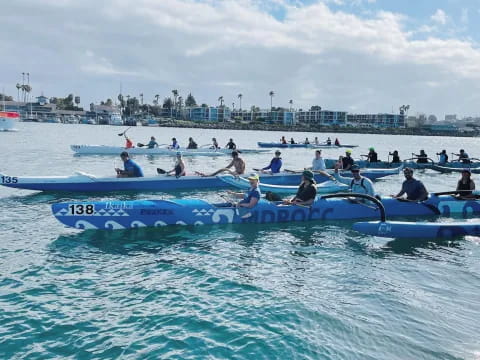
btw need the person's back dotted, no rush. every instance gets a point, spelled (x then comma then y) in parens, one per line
(306, 191)
(422, 158)
(231, 145)
(132, 167)
(373, 156)
(128, 143)
(192, 144)
(318, 164)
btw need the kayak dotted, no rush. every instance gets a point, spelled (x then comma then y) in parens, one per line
(155, 213)
(116, 150)
(330, 164)
(327, 187)
(448, 169)
(288, 145)
(425, 230)
(83, 182)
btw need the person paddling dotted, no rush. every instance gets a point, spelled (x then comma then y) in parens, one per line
(275, 164)
(237, 163)
(347, 160)
(253, 194)
(175, 145)
(231, 145)
(192, 144)
(214, 144)
(179, 168)
(359, 184)
(152, 143)
(443, 157)
(414, 188)
(307, 191)
(372, 156)
(292, 141)
(463, 157)
(395, 157)
(422, 158)
(130, 167)
(329, 141)
(128, 142)
(465, 185)
(337, 142)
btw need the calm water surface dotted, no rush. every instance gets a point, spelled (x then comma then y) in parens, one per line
(285, 291)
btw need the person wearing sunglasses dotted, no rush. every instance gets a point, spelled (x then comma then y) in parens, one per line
(358, 184)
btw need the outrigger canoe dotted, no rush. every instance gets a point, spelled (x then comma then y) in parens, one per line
(327, 187)
(155, 213)
(330, 164)
(450, 169)
(313, 146)
(116, 150)
(83, 182)
(417, 230)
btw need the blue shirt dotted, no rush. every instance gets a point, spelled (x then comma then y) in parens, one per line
(175, 145)
(414, 189)
(152, 144)
(251, 193)
(130, 166)
(275, 165)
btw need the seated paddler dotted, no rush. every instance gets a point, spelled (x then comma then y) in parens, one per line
(307, 191)
(130, 167)
(358, 183)
(252, 196)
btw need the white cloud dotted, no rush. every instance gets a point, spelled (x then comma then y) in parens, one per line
(314, 55)
(439, 17)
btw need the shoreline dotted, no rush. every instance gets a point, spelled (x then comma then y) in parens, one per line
(312, 129)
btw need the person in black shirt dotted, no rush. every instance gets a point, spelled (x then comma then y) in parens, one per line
(422, 158)
(347, 160)
(307, 191)
(372, 156)
(192, 144)
(231, 145)
(465, 185)
(395, 157)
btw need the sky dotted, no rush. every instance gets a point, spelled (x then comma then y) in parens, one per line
(360, 56)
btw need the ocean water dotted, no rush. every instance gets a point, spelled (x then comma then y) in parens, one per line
(284, 291)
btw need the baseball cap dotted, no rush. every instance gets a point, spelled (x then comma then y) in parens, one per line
(348, 151)
(253, 176)
(355, 167)
(278, 152)
(179, 153)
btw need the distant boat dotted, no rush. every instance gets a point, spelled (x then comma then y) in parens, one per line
(116, 119)
(8, 120)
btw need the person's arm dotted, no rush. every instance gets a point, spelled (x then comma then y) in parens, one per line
(253, 202)
(230, 165)
(269, 166)
(472, 185)
(343, 180)
(424, 195)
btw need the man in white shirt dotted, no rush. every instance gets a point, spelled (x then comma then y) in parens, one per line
(317, 162)
(359, 184)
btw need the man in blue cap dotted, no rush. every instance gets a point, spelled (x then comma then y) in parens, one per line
(359, 184)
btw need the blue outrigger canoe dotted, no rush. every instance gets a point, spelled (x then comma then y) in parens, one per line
(83, 182)
(153, 213)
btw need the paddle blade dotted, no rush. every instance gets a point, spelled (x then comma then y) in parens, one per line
(140, 145)
(161, 171)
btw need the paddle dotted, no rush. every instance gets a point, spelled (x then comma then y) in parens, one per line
(453, 192)
(123, 133)
(161, 171)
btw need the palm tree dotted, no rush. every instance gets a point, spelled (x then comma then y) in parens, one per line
(175, 94)
(18, 91)
(141, 98)
(272, 94)
(291, 103)
(240, 97)
(221, 100)
(156, 98)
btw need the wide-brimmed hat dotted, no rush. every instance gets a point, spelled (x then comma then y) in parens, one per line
(253, 176)
(307, 174)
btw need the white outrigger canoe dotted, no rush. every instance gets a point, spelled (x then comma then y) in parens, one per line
(116, 150)
(327, 187)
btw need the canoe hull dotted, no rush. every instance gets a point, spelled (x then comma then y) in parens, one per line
(154, 213)
(90, 183)
(116, 150)
(311, 146)
(417, 230)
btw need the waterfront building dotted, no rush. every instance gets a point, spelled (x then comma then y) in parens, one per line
(376, 120)
(322, 117)
(210, 114)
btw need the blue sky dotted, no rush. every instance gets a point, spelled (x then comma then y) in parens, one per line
(350, 55)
